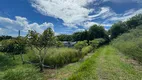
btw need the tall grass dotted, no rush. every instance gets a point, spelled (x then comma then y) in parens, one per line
(130, 44)
(14, 70)
(58, 56)
(86, 50)
(22, 73)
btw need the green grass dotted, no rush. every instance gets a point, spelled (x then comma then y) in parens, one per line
(130, 44)
(108, 64)
(14, 69)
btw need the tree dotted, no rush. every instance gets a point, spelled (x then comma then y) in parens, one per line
(41, 42)
(134, 21)
(14, 46)
(80, 36)
(117, 29)
(64, 37)
(96, 31)
(122, 27)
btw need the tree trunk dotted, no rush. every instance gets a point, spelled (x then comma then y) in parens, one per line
(22, 58)
(41, 62)
(41, 67)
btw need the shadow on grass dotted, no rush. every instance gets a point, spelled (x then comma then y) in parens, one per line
(6, 62)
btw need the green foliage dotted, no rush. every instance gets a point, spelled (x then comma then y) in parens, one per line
(22, 73)
(130, 44)
(86, 50)
(46, 39)
(64, 37)
(41, 42)
(118, 29)
(96, 31)
(80, 44)
(3, 37)
(80, 36)
(15, 46)
(134, 21)
(58, 56)
(59, 44)
(122, 27)
(97, 42)
(14, 70)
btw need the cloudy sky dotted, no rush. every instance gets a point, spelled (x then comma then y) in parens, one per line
(64, 16)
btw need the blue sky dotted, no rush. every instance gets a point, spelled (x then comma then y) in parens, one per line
(63, 16)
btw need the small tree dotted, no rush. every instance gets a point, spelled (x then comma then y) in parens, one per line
(41, 42)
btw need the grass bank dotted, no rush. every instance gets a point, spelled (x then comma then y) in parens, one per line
(130, 44)
(108, 64)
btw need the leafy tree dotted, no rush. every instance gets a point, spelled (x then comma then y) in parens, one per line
(96, 31)
(3, 37)
(80, 36)
(41, 42)
(64, 37)
(14, 46)
(134, 21)
(117, 29)
(122, 27)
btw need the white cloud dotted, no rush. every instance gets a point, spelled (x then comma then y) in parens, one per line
(103, 13)
(124, 1)
(72, 12)
(126, 15)
(9, 26)
(89, 24)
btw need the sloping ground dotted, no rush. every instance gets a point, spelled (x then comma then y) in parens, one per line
(64, 72)
(108, 64)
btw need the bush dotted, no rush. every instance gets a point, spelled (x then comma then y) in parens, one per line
(80, 44)
(86, 50)
(22, 73)
(15, 46)
(130, 44)
(97, 42)
(58, 56)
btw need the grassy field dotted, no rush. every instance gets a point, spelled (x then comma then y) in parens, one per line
(14, 69)
(108, 64)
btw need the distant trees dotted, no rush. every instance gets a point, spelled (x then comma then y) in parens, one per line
(41, 42)
(122, 27)
(13, 46)
(3, 37)
(64, 37)
(96, 31)
(117, 29)
(80, 36)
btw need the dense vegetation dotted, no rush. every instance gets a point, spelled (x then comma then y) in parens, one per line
(130, 43)
(122, 27)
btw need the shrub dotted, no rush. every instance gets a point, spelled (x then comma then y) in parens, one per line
(80, 44)
(130, 44)
(86, 50)
(59, 44)
(97, 42)
(58, 56)
(15, 46)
